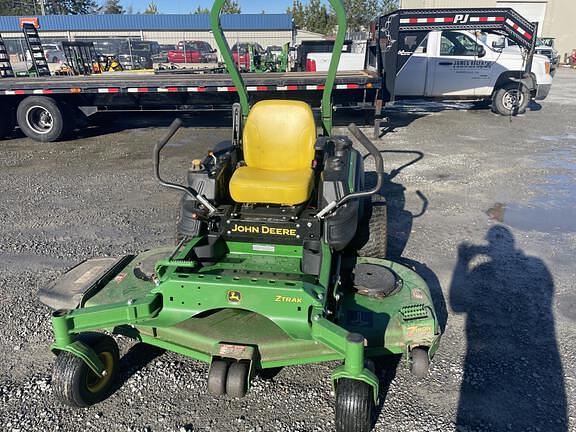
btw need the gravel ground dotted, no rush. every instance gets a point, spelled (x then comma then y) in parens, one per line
(483, 205)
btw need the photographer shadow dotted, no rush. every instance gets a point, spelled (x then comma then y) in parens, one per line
(513, 377)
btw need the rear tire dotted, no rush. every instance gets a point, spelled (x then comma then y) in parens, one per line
(354, 406)
(372, 233)
(73, 381)
(43, 119)
(509, 95)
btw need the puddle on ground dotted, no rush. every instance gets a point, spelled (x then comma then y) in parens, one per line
(553, 206)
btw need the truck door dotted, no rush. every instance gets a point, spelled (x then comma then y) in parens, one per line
(411, 79)
(458, 68)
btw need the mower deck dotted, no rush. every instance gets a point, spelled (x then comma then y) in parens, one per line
(201, 312)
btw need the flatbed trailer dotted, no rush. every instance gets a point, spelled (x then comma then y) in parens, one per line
(48, 108)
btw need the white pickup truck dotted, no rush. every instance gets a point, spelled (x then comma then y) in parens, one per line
(455, 64)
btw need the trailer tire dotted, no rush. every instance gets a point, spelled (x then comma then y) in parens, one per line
(504, 99)
(43, 119)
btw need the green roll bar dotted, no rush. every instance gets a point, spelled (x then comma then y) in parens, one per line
(237, 77)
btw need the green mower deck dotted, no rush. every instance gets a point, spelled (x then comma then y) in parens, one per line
(254, 305)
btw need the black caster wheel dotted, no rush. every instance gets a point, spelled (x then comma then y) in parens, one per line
(354, 406)
(73, 381)
(217, 377)
(237, 381)
(419, 362)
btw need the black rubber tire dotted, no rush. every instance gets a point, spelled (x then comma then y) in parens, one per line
(72, 378)
(372, 234)
(498, 99)
(217, 377)
(419, 362)
(237, 380)
(61, 120)
(354, 406)
(6, 122)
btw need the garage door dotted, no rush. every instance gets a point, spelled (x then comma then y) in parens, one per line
(532, 11)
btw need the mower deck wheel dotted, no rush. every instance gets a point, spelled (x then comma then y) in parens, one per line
(237, 381)
(420, 362)
(354, 406)
(217, 377)
(74, 382)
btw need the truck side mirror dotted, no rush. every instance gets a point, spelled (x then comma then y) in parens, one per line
(481, 52)
(497, 45)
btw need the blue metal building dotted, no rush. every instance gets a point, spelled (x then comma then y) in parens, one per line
(189, 22)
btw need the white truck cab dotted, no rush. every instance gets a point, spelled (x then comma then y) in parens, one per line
(457, 64)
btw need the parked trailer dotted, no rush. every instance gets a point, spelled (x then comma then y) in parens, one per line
(49, 108)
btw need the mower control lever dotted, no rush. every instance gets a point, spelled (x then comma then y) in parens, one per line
(368, 145)
(176, 124)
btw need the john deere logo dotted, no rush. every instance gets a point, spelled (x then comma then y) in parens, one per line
(234, 296)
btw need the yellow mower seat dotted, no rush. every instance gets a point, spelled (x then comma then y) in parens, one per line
(278, 143)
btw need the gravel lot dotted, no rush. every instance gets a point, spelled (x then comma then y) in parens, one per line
(484, 206)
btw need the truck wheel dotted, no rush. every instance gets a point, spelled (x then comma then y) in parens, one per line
(371, 236)
(73, 381)
(43, 119)
(511, 99)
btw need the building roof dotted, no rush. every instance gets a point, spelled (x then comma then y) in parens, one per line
(189, 22)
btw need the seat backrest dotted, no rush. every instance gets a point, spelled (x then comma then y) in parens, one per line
(279, 135)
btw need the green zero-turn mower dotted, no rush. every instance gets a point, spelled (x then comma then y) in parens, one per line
(269, 269)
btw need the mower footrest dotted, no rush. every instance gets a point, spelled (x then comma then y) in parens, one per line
(81, 282)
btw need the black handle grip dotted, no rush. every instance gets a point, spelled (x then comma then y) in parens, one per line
(176, 124)
(368, 145)
(446, 63)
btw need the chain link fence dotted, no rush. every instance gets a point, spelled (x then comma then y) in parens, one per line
(141, 50)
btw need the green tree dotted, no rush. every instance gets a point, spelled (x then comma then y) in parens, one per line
(69, 7)
(298, 13)
(387, 6)
(231, 7)
(360, 13)
(317, 18)
(112, 7)
(52, 7)
(200, 10)
(152, 9)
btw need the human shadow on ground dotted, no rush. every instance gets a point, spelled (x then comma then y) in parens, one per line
(513, 378)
